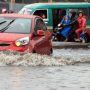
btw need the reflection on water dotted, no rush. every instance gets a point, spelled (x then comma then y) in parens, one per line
(17, 73)
(45, 78)
(65, 69)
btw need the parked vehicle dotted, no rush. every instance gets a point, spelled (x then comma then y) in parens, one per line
(24, 33)
(54, 12)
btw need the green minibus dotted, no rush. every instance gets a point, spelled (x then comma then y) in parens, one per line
(54, 12)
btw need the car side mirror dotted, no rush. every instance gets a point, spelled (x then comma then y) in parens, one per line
(40, 33)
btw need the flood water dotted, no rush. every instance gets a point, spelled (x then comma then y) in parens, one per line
(65, 69)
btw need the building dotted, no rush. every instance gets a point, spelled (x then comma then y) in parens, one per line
(35, 1)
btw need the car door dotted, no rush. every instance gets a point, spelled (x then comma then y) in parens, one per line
(41, 41)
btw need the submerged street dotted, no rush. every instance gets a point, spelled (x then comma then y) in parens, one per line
(60, 28)
(66, 69)
(70, 77)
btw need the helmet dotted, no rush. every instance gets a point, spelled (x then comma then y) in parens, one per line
(4, 10)
(80, 11)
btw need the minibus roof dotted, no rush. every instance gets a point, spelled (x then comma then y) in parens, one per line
(57, 5)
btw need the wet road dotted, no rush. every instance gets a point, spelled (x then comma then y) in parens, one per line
(64, 70)
(45, 78)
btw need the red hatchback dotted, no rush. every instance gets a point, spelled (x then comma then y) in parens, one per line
(24, 33)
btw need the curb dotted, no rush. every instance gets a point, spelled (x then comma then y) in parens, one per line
(74, 45)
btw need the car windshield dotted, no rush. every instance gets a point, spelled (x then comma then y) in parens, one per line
(15, 25)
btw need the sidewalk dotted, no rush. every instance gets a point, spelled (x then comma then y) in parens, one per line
(60, 45)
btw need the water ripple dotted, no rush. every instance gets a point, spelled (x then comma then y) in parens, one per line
(59, 57)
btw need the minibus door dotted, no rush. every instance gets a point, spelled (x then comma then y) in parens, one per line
(58, 15)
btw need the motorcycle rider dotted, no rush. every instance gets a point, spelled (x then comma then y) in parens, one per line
(82, 24)
(73, 17)
(70, 26)
(65, 31)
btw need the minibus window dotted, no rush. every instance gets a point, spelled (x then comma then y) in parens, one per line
(85, 11)
(25, 11)
(42, 13)
(88, 13)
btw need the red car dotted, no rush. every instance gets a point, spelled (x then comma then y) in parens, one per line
(24, 33)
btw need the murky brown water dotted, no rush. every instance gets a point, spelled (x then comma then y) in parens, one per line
(64, 70)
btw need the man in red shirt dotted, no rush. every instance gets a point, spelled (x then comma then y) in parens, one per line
(82, 24)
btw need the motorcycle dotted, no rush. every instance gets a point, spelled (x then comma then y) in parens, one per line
(56, 36)
(84, 37)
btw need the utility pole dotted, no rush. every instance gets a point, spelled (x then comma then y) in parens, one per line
(12, 1)
(50, 1)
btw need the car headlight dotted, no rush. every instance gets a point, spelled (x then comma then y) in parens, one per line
(22, 41)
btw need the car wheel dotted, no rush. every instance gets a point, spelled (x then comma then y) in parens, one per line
(34, 51)
(51, 51)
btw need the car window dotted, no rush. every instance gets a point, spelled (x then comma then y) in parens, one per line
(15, 25)
(40, 25)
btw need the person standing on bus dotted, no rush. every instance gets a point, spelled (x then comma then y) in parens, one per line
(82, 24)
(42, 15)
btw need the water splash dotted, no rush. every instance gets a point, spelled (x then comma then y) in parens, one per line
(59, 57)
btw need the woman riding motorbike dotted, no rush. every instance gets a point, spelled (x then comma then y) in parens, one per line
(65, 31)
